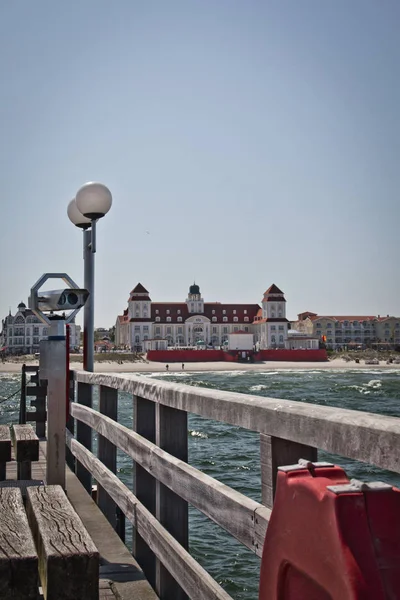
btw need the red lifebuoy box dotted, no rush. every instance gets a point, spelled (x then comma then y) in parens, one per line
(330, 538)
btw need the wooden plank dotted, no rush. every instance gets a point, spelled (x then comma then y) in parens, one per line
(171, 509)
(22, 404)
(18, 558)
(107, 452)
(194, 580)
(68, 559)
(5, 450)
(274, 453)
(363, 436)
(144, 484)
(228, 508)
(70, 422)
(84, 435)
(26, 448)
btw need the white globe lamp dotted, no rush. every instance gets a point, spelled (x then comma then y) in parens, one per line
(93, 200)
(76, 217)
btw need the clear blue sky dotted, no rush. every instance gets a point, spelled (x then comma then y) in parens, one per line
(257, 142)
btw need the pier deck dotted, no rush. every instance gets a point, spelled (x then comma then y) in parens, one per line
(120, 575)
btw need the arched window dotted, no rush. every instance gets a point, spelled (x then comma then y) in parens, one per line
(225, 318)
(169, 319)
(235, 319)
(214, 319)
(272, 339)
(281, 339)
(180, 319)
(157, 318)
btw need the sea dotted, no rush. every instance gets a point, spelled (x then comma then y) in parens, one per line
(231, 454)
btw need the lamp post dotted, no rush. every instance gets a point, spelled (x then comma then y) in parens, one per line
(92, 202)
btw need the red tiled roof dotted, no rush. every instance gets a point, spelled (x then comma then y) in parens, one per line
(274, 299)
(344, 318)
(211, 309)
(273, 289)
(272, 320)
(136, 298)
(139, 289)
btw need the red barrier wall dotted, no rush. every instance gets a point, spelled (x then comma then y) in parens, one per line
(186, 356)
(299, 355)
(171, 356)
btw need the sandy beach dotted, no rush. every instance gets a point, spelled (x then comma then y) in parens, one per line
(156, 367)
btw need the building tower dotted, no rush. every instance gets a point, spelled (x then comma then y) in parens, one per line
(194, 301)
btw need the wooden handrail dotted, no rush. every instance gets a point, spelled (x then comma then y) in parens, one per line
(363, 436)
(230, 509)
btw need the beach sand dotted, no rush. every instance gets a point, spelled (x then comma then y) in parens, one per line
(156, 367)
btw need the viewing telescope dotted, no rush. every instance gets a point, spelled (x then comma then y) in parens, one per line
(70, 299)
(66, 299)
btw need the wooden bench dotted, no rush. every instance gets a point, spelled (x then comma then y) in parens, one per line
(26, 449)
(68, 558)
(18, 558)
(5, 450)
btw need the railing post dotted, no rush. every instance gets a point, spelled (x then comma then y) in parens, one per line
(171, 509)
(84, 435)
(276, 452)
(22, 405)
(107, 452)
(70, 458)
(144, 420)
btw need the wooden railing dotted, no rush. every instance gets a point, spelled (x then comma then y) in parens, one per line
(165, 483)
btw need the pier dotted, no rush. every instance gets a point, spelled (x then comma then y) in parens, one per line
(165, 484)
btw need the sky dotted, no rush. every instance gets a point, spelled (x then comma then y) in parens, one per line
(244, 142)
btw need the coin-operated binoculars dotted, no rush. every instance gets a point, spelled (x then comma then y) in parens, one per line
(56, 308)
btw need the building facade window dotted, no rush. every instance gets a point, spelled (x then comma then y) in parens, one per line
(235, 319)
(180, 319)
(169, 319)
(157, 318)
(225, 318)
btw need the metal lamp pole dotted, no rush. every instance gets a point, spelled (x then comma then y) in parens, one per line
(88, 311)
(92, 202)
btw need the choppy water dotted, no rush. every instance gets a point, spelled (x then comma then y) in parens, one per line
(231, 454)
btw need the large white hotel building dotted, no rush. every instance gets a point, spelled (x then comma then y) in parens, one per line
(194, 321)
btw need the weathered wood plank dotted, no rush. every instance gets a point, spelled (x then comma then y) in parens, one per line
(194, 580)
(84, 435)
(274, 453)
(26, 448)
(68, 559)
(5, 450)
(228, 508)
(107, 452)
(363, 436)
(171, 509)
(18, 558)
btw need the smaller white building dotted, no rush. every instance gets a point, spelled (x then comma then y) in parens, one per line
(297, 340)
(240, 340)
(22, 332)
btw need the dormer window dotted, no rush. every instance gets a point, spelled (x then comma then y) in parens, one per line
(180, 319)
(179, 312)
(157, 319)
(224, 319)
(167, 311)
(213, 312)
(235, 319)
(245, 312)
(168, 319)
(156, 311)
(246, 319)
(224, 312)
(234, 312)
(214, 319)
